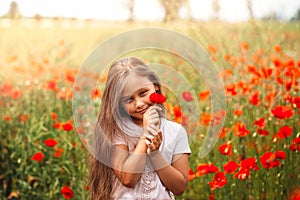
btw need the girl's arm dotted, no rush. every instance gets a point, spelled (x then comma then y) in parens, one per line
(128, 168)
(174, 176)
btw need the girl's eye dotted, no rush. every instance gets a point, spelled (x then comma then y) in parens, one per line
(127, 100)
(143, 93)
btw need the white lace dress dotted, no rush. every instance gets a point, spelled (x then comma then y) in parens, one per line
(150, 187)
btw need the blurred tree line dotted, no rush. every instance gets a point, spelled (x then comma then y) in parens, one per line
(13, 12)
(171, 8)
(297, 16)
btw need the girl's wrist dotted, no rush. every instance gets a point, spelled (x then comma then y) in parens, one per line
(143, 140)
(143, 137)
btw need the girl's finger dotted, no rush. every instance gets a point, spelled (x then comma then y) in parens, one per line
(152, 147)
(155, 128)
(154, 121)
(151, 110)
(157, 108)
(160, 135)
(147, 142)
(156, 140)
(148, 136)
(152, 130)
(154, 117)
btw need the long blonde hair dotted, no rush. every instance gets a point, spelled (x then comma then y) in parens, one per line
(101, 175)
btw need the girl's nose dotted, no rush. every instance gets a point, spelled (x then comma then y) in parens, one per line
(139, 103)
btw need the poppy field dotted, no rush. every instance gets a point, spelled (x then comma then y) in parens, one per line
(257, 153)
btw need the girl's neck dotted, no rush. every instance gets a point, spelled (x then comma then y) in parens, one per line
(138, 122)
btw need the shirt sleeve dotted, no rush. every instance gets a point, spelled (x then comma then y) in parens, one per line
(182, 143)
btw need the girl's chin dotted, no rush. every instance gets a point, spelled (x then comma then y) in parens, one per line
(137, 119)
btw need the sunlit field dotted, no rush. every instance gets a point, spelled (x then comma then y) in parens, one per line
(256, 156)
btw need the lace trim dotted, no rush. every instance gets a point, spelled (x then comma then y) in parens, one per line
(148, 178)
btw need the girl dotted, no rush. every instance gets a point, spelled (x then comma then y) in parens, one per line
(147, 154)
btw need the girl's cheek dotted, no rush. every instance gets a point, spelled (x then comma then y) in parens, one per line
(148, 98)
(126, 108)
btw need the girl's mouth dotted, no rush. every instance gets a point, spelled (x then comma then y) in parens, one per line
(143, 111)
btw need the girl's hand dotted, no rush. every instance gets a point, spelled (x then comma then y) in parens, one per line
(151, 116)
(153, 138)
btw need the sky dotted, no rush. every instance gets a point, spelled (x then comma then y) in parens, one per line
(150, 10)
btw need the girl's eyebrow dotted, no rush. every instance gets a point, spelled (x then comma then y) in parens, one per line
(125, 97)
(138, 90)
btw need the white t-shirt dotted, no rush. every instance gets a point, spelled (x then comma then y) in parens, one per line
(174, 141)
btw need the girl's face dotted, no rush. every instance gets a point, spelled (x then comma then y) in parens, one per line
(135, 96)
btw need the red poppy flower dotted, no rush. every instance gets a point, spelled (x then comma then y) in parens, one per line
(57, 125)
(187, 95)
(7, 118)
(16, 94)
(67, 192)
(230, 167)
(70, 76)
(260, 123)
(262, 132)
(38, 156)
(211, 196)
(204, 95)
(270, 160)
(87, 188)
(254, 99)
(277, 62)
(96, 94)
(50, 142)
(238, 112)
(243, 86)
(249, 163)
(224, 132)
(184, 120)
(219, 181)
(67, 127)
(295, 144)
(225, 149)
(294, 193)
(282, 112)
(240, 129)
(157, 98)
(280, 155)
(231, 90)
(203, 169)
(285, 131)
(242, 174)
(23, 118)
(244, 46)
(253, 69)
(267, 72)
(177, 111)
(51, 85)
(277, 48)
(6, 89)
(288, 85)
(192, 175)
(295, 101)
(205, 118)
(54, 116)
(212, 49)
(58, 152)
